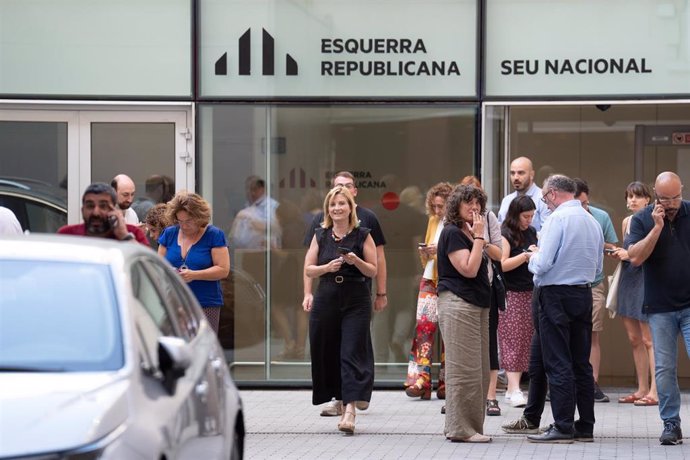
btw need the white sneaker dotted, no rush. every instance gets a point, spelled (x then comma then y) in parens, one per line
(517, 399)
(332, 409)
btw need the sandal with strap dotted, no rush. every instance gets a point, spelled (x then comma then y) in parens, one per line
(492, 407)
(347, 426)
(629, 399)
(646, 401)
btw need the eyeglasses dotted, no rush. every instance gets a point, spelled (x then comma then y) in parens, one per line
(348, 186)
(665, 200)
(185, 222)
(543, 197)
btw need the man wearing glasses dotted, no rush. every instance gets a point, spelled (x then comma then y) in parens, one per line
(660, 241)
(569, 258)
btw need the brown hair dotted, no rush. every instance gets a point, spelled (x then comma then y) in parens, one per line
(157, 216)
(197, 208)
(463, 194)
(442, 189)
(471, 180)
(339, 190)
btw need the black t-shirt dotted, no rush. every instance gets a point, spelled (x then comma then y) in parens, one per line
(473, 290)
(520, 279)
(366, 218)
(328, 248)
(667, 269)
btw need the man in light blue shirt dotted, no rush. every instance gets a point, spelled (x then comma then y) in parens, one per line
(522, 179)
(566, 263)
(598, 286)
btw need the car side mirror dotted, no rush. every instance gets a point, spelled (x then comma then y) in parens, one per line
(174, 357)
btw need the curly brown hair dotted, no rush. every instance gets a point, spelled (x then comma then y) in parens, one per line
(463, 194)
(197, 208)
(442, 189)
(157, 217)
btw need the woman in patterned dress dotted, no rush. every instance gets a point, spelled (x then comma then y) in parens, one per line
(418, 383)
(515, 322)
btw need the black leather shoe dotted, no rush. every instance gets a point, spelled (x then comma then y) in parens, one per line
(552, 436)
(583, 437)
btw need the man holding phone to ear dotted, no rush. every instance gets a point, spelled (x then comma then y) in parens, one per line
(660, 241)
(101, 218)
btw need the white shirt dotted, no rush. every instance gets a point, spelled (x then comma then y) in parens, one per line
(9, 225)
(131, 216)
(533, 192)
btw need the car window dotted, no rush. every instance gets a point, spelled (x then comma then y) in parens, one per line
(58, 316)
(170, 287)
(44, 218)
(144, 289)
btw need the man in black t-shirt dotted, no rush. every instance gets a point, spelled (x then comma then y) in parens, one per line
(367, 219)
(659, 240)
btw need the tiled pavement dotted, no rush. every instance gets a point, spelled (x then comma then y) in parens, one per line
(284, 425)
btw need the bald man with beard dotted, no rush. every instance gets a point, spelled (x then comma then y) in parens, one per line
(125, 189)
(660, 241)
(522, 180)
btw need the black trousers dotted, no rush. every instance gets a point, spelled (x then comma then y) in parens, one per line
(342, 358)
(493, 335)
(538, 385)
(565, 328)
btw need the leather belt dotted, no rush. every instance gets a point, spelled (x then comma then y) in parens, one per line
(582, 286)
(339, 279)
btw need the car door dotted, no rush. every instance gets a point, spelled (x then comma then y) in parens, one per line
(209, 397)
(181, 415)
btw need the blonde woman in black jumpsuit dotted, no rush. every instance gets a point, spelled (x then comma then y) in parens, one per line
(342, 255)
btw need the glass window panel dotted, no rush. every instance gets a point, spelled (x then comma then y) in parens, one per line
(33, 168)
(396, 153)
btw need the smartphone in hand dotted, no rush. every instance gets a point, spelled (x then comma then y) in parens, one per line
(609, 251)
(343, 250)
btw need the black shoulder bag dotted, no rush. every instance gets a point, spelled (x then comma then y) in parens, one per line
(498, 285)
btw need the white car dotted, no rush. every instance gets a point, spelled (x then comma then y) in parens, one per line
(106, 354)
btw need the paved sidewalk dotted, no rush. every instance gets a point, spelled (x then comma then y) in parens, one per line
(284, 425)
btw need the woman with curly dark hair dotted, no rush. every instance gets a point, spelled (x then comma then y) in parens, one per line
(463, 308)
(418, 383)
(515, 322)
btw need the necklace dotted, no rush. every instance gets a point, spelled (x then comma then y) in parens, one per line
(337, 238)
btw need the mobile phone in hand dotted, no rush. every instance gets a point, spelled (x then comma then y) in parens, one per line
(421, 245)
(343, 250)
(609, 251)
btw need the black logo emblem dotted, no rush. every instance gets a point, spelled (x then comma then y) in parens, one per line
(244, 57)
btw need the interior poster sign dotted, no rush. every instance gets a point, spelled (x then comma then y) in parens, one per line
(587, 48)
(337, 48)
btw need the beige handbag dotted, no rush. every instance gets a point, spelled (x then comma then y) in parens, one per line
(612, 296)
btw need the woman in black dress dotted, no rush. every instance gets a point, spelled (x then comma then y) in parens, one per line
(342, 255)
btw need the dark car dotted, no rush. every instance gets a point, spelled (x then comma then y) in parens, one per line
(40, 207)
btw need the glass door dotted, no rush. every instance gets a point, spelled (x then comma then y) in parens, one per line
(154, 148)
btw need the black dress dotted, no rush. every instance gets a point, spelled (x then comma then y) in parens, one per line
(342, 359)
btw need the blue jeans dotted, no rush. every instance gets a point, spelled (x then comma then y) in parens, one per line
(665, 329)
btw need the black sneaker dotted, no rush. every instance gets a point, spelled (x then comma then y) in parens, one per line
(599, 395)
(672, 435)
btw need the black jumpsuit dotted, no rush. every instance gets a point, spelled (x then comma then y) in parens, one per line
(342, 360)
